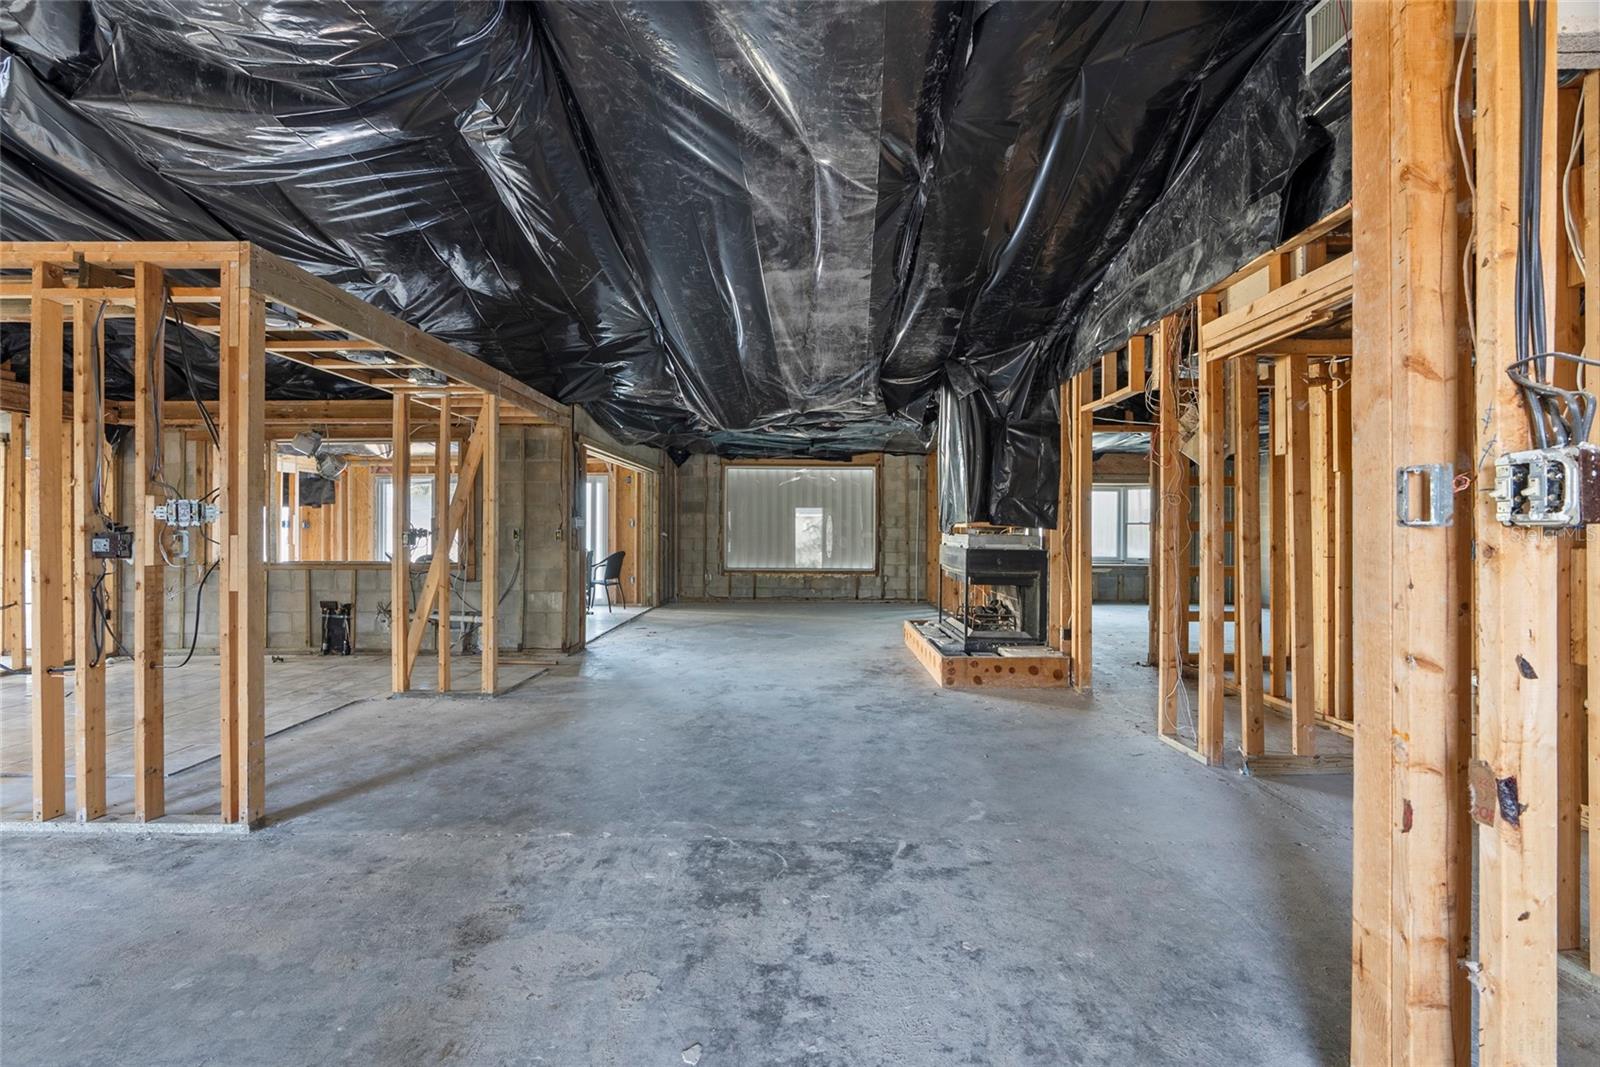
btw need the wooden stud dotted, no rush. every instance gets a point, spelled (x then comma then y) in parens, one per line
(48, 693)
(90, 646)
(1212, 446)
(149, 574)
(15, 503)
(1081, 562)
(438, 567)
(1172, 513)
(443, 533)
(247, 569)
(1247, 553)
(489, 571)
(400, 657)
(1591, 325)
(1515, 585)
(1290, 377)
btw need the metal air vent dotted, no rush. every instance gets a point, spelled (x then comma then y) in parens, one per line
(1327, 31)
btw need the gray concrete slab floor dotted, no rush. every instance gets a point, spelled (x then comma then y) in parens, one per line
(756, 832)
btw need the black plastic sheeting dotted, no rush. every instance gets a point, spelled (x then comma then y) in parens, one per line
(754, 228)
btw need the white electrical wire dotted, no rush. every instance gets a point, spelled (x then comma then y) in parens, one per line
(1574, 237)
(1470, 245)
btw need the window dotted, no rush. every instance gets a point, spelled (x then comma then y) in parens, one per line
(800, 519)
(1119, 523)
(596, 520)
(420, 511)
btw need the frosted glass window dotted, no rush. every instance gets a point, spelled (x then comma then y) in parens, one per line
(1120, 522)
(1104, 520)
(800, 518)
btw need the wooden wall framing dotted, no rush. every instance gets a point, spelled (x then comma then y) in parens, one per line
(54, 285)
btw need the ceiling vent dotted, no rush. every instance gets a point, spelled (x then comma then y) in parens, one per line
(1327, 31)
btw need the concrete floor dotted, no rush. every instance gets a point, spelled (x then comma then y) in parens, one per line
(757, 833)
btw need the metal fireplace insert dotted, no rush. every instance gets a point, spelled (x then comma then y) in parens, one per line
(1002, 576)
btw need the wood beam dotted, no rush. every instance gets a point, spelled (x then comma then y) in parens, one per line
(1290, 378)
(443, 533)
(306, 293)
(1247, 553)
(1172, 515)
(14, 499)
(149, 575)
(89, 644)
(1212, 450)
(399, 550)
(1515, 583)
(489, 570)
(48, 693)
(1080, 558)
(1411, 924)
(1591, 344)
(439, 566)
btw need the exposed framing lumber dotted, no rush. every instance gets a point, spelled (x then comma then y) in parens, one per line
(1213, 386)
(400, 658)
(149, 576)
(1410, 1003)
(1247, 554)
(489, 574)
(48, 693)
(1515, 588)
(89, 683)
(438, 568)
(14, 499)
(1314, 299)
(1289, 377)
(444, 532)
(1080, 563)
(1591, 245)
(1172, 514)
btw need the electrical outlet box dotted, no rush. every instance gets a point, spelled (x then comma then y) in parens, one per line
(1553, 488)
(114, 542)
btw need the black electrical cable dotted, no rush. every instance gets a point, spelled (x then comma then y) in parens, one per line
(188, 371)
(195, 640)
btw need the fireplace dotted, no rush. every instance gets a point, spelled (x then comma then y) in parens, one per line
(1002, 601)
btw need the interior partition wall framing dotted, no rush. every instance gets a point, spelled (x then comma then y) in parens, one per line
(66, 291)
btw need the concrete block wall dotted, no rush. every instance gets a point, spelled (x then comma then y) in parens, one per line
(696, 534)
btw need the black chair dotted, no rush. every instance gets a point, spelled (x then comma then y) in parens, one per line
(605, 574)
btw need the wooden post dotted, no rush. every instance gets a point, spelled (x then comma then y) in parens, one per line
(1212, 451)
(489, 571)
(443, 534)
(242, 467)
(1172, 600)
(1081, 560)
(228, 621)
(149, 574)
(400, 555)
(48, 695)
(15, 502)
(1591, 552)
(1277, 551)
(90, 646)
(1289, 375)
(1515, 574)
(1411, 1003)
(1247, 554)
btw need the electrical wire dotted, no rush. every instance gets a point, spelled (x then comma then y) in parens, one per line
(195, 640)
(1574, 236)
(188, 369)
(1469, 246)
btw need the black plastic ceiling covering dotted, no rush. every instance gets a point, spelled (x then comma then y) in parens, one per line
(758, 228)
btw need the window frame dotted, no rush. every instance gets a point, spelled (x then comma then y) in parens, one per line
(874, 462)
(1122, 559)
